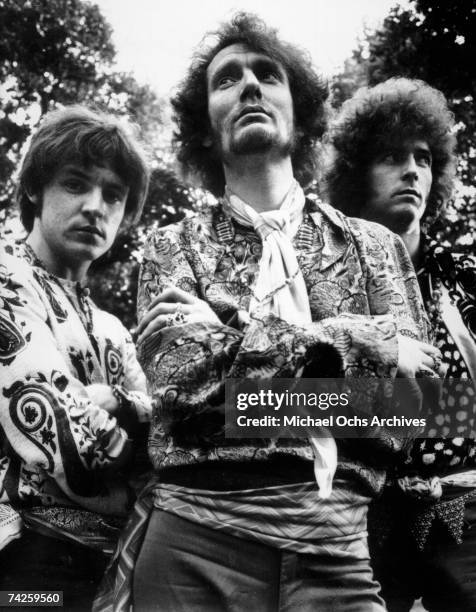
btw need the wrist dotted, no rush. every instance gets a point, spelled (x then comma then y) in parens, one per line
(120, 396)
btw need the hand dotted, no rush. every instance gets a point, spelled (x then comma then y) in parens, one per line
(174, 307)
(102, 396)
(415, 357)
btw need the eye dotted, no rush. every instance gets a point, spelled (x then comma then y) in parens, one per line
(226, 81)
(74, 185)
(113, 196)
(270, 76)
(389, 158)
(424, 160)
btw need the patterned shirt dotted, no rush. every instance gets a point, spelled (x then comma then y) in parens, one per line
(56, 443)
(443, 272)
(362, 291)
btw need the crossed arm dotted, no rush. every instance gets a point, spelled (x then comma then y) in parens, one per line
(58, 432)
(195, 353)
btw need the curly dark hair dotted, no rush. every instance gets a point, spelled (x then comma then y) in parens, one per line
(379, 119)
(190, 104)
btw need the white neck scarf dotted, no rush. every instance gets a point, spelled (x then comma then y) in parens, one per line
(279, 286)
(280, 290)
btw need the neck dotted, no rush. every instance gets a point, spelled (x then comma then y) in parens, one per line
(55, 263)
(259, 183)
(412, 241)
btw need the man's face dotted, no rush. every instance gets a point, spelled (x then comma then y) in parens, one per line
(81, 211)
(399, 183)
(250, 106)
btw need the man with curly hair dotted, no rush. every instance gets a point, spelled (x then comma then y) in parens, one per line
(266, 283)
(393, 162)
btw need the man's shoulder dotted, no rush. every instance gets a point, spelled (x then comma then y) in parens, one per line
(371, 229)
(357, 227)
(13, 263)
(196, 223)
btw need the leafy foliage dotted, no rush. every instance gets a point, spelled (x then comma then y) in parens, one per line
(432, 41)
(59, 52)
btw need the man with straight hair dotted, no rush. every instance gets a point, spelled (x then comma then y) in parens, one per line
(266, 283)
(71, 391)
(393, 162)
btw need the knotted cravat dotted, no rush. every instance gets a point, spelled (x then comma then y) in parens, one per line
(279, 286)
(280, 289)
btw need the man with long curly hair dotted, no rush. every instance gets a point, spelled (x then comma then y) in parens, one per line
(266, 283)
(393, 162)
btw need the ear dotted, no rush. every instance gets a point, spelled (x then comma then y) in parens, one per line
(33, 197)
(207, 141)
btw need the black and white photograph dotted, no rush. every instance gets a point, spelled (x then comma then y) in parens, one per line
(238, 305)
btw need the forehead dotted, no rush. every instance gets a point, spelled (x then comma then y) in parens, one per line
(415, 144)
(239, 54)
(409, 145)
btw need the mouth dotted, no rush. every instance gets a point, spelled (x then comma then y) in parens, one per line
(252, 111)
(90, 230)
(411, 193)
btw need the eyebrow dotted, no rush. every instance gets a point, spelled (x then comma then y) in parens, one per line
(75, 171)
(234, 65)
(423, 149)
(228, 66)
(85, 175)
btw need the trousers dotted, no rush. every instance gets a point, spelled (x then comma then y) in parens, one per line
(38, 562)
(185, 566)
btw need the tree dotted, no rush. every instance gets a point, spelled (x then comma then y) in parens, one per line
(50, 51)
(432, 41)
(58, 52)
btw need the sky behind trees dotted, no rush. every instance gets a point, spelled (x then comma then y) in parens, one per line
(55, 52)
(155, 38)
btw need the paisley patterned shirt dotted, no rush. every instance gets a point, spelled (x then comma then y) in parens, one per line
(55, 443)
(362, 291)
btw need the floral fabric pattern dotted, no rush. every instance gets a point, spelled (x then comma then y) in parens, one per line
(362, 291)
(55, 442)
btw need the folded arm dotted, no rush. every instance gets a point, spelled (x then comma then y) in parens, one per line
(187, 362)
(48, 421)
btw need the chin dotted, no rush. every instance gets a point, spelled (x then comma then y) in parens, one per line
(87, 253)
(402, 221)
(255, 139)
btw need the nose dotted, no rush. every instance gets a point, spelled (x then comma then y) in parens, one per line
(251, 86)
(410, 168)
(94, 205)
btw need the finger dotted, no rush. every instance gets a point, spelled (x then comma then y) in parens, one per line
(427, 361)
(428, 372)
(439, 367)
(430, 349)
(156, 325)
(174, 294)
(159, 299)
(155, 311)
(442, 369)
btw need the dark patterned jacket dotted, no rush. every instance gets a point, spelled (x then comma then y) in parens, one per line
(362, 291)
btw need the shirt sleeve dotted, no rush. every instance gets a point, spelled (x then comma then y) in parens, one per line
(48, 424)
(187, 365)
(392, 286)
(132, 391)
